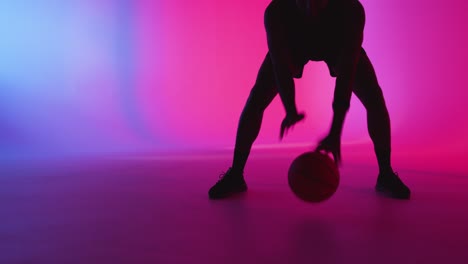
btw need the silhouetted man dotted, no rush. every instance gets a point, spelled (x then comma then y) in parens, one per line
(319, 30)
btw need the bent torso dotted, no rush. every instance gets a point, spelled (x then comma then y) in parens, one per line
(317, 40)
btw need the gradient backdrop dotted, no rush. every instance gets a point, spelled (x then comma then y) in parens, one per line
(88, 76)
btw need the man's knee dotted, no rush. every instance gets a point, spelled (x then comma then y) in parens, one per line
(259, 98)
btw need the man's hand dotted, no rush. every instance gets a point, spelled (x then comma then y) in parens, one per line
(331, 144)
(289, 121)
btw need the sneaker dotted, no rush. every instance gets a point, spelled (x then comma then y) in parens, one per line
(389, 184)
(229, 183)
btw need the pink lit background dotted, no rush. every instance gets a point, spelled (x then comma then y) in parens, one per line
(116, 76)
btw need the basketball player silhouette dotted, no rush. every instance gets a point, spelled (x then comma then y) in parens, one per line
(299, 31)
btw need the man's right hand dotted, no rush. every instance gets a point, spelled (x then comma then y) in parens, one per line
(289, 121)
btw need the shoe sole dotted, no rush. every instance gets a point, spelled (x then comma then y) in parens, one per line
(388, 193)
(229, 194)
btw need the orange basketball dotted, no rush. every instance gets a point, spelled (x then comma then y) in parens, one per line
(313, 177)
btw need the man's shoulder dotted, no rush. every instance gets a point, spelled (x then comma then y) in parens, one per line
(357, 8)
(350, 11)
(352, 7)
(278, 9)
(279, 4)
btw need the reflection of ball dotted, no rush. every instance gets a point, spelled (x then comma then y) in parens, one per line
(313, 176)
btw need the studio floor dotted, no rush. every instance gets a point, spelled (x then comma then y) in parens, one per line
(155, 209)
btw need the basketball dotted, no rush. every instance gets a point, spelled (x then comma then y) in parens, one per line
(313, 176)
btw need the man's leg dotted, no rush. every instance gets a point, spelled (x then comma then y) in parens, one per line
(261, 95)
(368, 90)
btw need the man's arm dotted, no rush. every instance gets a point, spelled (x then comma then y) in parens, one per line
(281, 58)
(347, 63)
(283, 66)
(348, 59)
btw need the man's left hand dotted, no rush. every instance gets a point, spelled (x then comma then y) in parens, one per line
(331, 144)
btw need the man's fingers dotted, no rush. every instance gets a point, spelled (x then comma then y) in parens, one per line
(319, 148)
(323, 146)
(288, 124)
(337, 157)
(283, 131)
